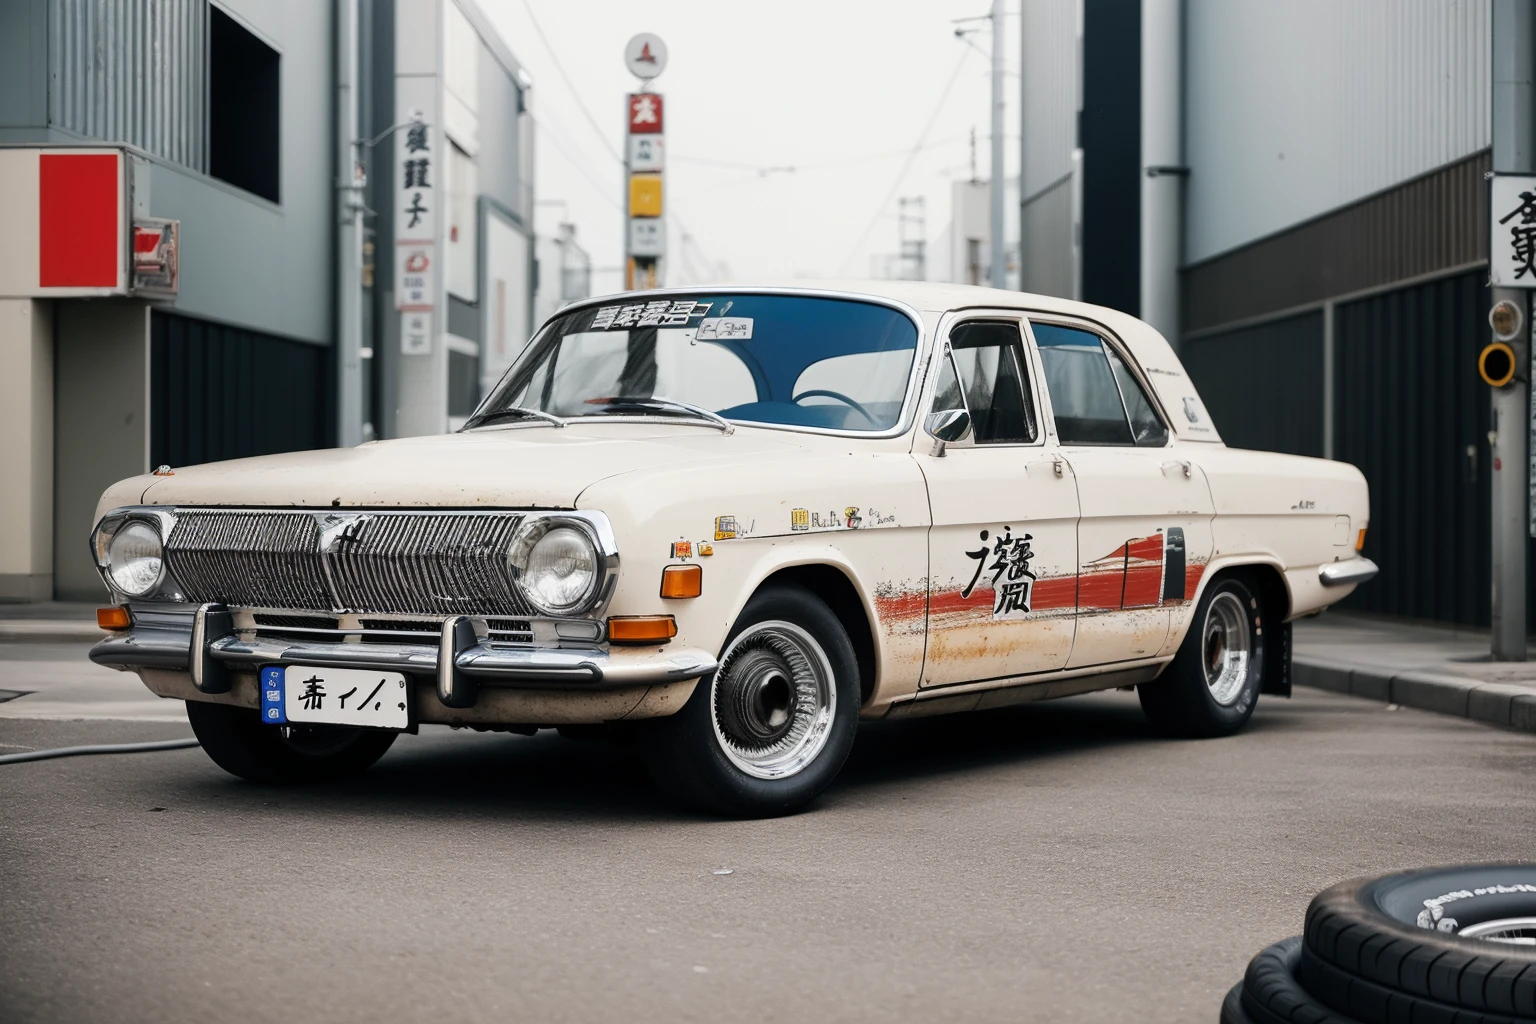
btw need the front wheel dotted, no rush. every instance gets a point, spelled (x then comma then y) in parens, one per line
(241, 744)
(771, 727)
(1213, 683)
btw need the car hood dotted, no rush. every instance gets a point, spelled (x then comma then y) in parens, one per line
(523, 467)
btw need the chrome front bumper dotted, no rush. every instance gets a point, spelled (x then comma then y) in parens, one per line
(203, 645)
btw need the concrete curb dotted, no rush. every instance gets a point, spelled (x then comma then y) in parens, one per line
(45, 631)
(1505, 704)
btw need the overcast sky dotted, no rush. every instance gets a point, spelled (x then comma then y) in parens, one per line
(838, 89)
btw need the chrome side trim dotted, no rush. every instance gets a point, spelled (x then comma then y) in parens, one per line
(1351, 570)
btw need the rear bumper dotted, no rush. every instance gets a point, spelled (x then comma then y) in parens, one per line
(1346, 573)
(203, 645)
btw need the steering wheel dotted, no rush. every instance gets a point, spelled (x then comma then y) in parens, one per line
(822, 392)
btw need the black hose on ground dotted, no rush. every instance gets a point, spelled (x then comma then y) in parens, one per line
(100, 748)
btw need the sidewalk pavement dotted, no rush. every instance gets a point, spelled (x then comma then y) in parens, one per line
(49, 622)
(1415, 665)
(1411, 664)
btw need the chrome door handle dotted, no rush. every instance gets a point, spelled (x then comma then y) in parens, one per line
(1181, 465)
(1057, 466)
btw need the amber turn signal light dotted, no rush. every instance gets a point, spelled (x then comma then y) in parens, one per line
(641, 629)
(116, 617)
(1360, 540)
(682, 581)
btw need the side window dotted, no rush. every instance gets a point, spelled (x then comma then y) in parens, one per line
(1094, 396)
(1145, 425)
(985, 374)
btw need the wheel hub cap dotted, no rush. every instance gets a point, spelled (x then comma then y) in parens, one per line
(1227, 648)
(774, 699)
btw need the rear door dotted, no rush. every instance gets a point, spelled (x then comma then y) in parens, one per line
(1003, 546)
(1146, 510)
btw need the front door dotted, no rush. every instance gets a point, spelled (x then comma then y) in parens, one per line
(1003, 547)
(1146, 511)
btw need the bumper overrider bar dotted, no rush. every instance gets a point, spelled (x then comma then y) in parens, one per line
(207, 645)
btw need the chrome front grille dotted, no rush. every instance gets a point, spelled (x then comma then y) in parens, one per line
(261, 559)
(412, 563)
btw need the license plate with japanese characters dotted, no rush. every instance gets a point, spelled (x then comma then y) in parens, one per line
(334, 696)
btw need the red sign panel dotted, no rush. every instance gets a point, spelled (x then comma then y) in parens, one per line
(78, 220)
(644, 113)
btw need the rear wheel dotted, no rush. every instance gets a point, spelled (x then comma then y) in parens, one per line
(769, 730)
(1213, 683)
(241, 744)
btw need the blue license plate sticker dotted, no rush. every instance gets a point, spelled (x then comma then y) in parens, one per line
(272, 711)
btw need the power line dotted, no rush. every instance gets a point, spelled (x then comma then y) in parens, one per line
(606, 191)
(602, 136)
(907, 164)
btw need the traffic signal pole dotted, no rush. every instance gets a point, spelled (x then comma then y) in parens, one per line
(1514, 153)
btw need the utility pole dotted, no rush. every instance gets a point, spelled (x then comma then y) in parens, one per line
(349, 233)
(912, 221)
(999, 186)
(1514, 153)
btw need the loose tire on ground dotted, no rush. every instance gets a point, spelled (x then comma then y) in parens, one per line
(1270, 994)
(242, 745)
(1211, 686)
(1369, 929)
(768, 731)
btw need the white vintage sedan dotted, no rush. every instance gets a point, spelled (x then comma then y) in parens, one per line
(729, 523)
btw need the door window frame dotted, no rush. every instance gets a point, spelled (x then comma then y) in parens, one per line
(1029, 365)
(1131, 364)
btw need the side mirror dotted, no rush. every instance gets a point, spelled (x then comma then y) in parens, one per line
(945, 426)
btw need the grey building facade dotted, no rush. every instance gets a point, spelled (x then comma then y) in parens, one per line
(1304, 213)
(226, 117)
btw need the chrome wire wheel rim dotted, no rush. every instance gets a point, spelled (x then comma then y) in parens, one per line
(1517, 931)
(1226, 648)
(773, 699)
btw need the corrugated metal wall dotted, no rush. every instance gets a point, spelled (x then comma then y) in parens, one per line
(1294, 109)
(219, 392)
(1049, 103)
(1263, 385)
(131, 71)
(1430, 224)
(1411, 413)
(1050, 92)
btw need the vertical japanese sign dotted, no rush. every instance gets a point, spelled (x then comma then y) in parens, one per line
(1512, 235)
(416, 178)
(647, 240)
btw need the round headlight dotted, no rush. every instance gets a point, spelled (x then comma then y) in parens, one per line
(557, 568)
(134, 558)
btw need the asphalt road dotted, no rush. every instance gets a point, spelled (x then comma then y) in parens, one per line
(1055, 862)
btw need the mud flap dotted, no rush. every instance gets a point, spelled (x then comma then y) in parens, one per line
(1277, 662)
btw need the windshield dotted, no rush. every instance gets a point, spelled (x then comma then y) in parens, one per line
(798, 361)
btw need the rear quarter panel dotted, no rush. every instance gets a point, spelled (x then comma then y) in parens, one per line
(1289, 511)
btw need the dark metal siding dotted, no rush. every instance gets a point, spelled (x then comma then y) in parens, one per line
(1109, 130)
(1263, 385)
(1432, 223)
(1408, 409)
(220, 392)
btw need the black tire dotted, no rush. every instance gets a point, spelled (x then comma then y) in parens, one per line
(1270, 993)
(1369, 929)
(686, 752)
(242, 745)
(1371, 1003)
(1181, 702)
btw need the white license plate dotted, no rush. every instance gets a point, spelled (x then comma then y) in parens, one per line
(335, 696)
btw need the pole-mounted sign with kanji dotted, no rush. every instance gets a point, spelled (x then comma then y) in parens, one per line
(1512, 231)
(645, 240)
